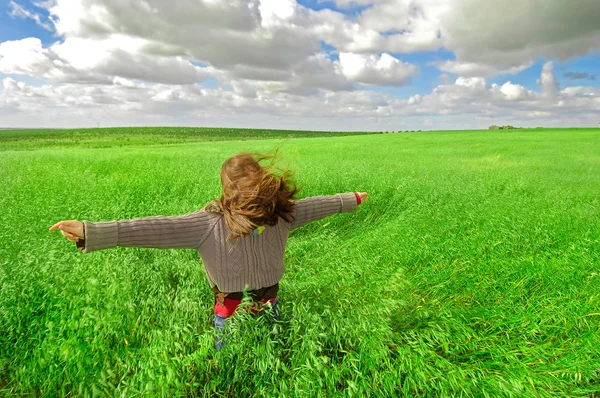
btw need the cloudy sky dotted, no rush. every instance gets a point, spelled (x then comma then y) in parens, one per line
(382, 65)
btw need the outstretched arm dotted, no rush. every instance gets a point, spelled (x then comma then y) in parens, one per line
(319, 207)
(174, 232)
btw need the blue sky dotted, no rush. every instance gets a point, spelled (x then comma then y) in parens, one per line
(351, 10)
(362, 52)
(15, 28)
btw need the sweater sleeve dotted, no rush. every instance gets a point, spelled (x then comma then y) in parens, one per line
(161, 232)
(319, 207)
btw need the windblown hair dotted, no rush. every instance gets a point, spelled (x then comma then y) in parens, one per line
(254, 194)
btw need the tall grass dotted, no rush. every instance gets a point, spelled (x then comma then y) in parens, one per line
(472, 271)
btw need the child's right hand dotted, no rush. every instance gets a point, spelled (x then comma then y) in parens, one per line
(71, 229)
(363, 196)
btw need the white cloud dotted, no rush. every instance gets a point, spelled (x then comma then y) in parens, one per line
(548, 81)
(272, 41)
(512, 103)
(513, 92)
(143, 59)
(128, 102)
(224, 34)
(80, 61)
(472, 83)
(276, 12)
(486, 40)
(376, 70)
(318, 71)
(120, 81)
(492, 36)
(240, 36)
(477, 69)
(538, 114)
(400, 26)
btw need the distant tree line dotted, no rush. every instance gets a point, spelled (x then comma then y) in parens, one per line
(400, 131)
(507, 127)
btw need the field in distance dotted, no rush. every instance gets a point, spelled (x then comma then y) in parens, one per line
(472, 271)
(29, 139)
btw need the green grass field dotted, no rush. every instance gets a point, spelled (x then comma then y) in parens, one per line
(474, 270)
(142, 136)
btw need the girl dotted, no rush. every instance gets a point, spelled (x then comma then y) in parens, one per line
(241, 237)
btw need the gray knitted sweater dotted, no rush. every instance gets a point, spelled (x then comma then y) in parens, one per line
(251, 262)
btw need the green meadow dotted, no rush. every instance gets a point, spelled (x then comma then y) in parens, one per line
(473, 270)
